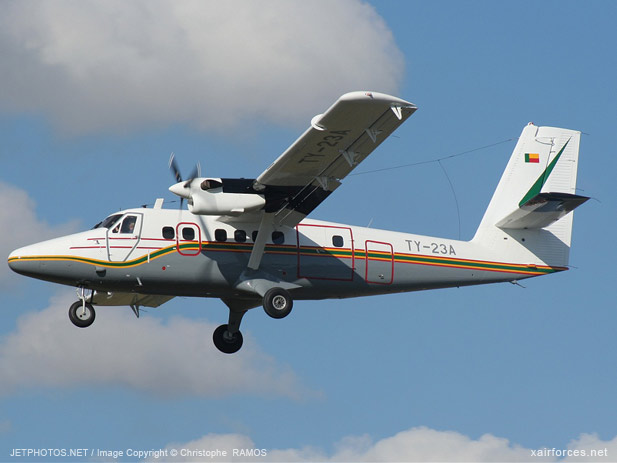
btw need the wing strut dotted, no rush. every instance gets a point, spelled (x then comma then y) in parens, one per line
(259, 246)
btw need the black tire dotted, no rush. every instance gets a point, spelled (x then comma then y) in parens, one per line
(226, 343)
(277, 303)
(78, 318)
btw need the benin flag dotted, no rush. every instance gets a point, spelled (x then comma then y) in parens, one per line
(532, 157)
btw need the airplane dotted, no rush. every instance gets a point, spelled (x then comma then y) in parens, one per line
(249, 242)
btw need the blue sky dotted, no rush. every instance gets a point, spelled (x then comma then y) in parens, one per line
(96, 95)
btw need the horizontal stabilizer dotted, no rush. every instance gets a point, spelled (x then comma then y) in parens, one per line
(542, 210)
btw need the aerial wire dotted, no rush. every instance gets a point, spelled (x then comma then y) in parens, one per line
(443, 169)
(428, 161)
(458, 212)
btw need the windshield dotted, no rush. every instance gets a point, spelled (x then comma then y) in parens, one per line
(108, 222)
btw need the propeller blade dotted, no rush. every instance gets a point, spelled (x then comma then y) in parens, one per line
(173, 165)
(175, 170)
(195, 173)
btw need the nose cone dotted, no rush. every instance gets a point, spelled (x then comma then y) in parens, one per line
(12, 257)
(58, 260)
(22, 260)
(181, 190)
(37, 260)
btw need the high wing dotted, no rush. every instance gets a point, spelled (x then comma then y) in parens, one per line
(337, 141)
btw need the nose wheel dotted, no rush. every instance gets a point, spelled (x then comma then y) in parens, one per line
(82, 314)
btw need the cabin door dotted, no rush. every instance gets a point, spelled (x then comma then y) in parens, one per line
(123, 237)
(325, 252)
(379, 263)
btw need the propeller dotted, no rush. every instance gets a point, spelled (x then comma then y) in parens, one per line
(173, 165)
(178, 187)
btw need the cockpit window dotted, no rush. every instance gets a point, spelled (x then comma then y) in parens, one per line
(128, 224)
(108, 222)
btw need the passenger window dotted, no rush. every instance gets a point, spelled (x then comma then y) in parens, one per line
(169, 233)
(254, 235)
(188, 234)
(240, 236)
(278, 237)
(337, 241)
(220, 234)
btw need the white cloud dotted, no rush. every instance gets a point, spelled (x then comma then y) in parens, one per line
(21, 226)
(119, 65)
(416, 444)
(170, 359)
(589, 447)
(419, 444)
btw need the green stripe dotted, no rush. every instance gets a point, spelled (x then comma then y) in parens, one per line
(473, 265)
(312, 252)
(322, 252)
(537, 187)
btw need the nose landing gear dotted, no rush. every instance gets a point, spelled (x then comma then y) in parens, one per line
(81, 313)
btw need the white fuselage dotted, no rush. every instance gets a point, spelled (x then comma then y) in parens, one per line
(176, 253)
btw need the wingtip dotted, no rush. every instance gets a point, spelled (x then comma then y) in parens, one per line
(376, 97)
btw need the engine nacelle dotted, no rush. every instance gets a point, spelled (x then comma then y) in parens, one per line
(215, 196)
(220, 203)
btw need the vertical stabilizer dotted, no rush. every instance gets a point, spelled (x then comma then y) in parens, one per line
(529, 218)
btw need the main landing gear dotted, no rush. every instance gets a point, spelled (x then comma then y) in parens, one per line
(81, 313)
(277, 303)
(226, 341)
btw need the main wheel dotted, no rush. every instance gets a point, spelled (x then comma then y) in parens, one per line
(277, 303)
(79, 317)
(225, 341)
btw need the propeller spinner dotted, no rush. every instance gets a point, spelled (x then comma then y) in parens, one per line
(182, 188)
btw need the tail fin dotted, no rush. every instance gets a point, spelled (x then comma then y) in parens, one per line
(529, 218)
